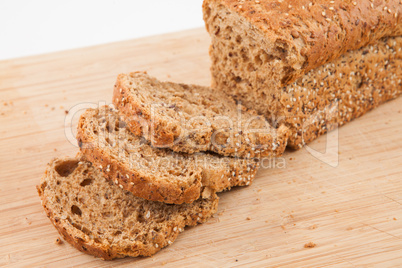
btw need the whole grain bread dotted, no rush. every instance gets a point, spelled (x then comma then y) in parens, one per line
(191, 118)
(155, 174)
(330, 95)
(100, 219)
(291, 37)
(340, 89)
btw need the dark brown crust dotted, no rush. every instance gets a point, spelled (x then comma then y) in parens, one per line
(326, 29)
(163, 134)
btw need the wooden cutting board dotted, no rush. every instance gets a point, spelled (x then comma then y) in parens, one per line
(346, 202)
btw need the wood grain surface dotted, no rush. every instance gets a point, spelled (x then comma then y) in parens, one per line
(346, 204)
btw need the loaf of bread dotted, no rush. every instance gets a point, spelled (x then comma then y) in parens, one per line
(289, 38)
(99, 218)
(155, 174)
(346, 68)
(190, 118)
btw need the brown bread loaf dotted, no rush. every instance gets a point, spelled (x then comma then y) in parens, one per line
(347, 68)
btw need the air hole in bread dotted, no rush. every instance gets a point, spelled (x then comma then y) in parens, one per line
(66, 168)
(108, 128)
(109, 141)
(76, 210)
(140, 218)
(117, 233)
(107, 214)
(86, 182)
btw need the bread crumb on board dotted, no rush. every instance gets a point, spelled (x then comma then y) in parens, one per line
(58, 241)
(310, 245)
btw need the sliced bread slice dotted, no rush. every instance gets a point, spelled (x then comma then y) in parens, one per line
(100, 219)
(191, 118)
(155, 174)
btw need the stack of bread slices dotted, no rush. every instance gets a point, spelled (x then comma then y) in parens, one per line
(153, 166)
(154, 161)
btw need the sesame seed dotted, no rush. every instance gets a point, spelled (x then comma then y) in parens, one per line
(175, 229)
(127, 176)
(100, 166)
(148, 215)
(156, 245)
(331, 8)
(323, 13)
(121, 186)
(354, 3)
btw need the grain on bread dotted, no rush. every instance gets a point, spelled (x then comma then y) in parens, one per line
(100, 219)
(294, 37)
(332, 94)
(336, 85)
(155, 174)
(191, 118)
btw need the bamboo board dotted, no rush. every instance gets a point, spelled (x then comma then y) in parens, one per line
(351, 210)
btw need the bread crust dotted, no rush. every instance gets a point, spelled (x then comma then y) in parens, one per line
(313, 33)
(233, 172)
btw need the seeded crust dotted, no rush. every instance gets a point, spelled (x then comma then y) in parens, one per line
(190, 118)
(298, 36)
(100, 219)
(155, 174)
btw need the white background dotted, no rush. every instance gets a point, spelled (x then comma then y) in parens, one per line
(29, 27)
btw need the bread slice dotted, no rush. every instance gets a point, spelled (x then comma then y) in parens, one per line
(269, 44)
(190, 118)
(155, 174)
(100, 219)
